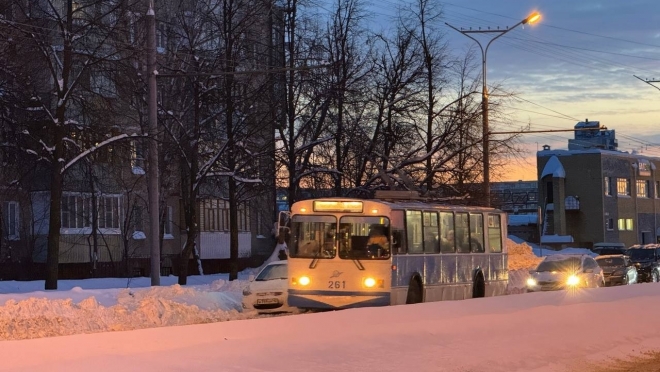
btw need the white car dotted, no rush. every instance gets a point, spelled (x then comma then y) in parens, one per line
(267, 292)
(565, 271)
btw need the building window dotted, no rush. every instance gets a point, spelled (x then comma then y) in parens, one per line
(76, 212)
(625, 224)
(108, 212)
(137, 158)
(167, 229)
(10, 220)
(642, 188)
(623, 186)
(608, 186)
(610, 224)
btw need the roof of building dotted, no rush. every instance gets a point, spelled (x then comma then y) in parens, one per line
(553, 167)
(622, 154)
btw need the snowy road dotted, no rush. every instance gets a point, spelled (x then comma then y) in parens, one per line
(554, 331)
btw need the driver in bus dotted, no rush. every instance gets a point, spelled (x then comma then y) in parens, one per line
(377, 237)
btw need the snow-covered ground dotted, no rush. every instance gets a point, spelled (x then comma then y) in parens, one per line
(517, 332)
(113, 304)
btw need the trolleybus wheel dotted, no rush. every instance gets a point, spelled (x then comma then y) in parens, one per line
(414, 291)
(479, 286)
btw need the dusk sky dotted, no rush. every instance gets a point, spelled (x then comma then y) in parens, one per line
(577, 63)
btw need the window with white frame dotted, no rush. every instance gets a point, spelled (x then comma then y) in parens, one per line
(642, 188)
(76, 212)
(10, 219)
(167, 229)
(108, 212)
(623, 186)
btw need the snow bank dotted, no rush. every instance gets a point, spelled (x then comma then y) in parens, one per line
(521, 256)
(135, 308)
(521, 260)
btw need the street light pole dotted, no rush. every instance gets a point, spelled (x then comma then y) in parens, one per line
(484, 92)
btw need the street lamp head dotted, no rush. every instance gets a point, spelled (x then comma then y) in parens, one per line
(532, 18)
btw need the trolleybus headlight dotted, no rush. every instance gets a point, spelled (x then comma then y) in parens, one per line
(369, 282)
(304, 280)
(573, 280)
(373, 283)
(531, 282)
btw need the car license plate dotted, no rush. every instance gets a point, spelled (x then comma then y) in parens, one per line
(264, 301)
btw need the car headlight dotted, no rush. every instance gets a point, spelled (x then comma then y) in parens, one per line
(573, 280)
(247, 291)
(531, 282)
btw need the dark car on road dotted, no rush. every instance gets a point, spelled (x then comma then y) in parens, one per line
(617, 269)
(647, 261)
(609, 248)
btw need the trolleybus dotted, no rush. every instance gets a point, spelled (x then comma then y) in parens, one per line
(347, 252)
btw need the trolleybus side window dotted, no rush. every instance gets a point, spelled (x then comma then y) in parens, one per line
(494, 233)
(447, 241)
(462, 233)
(398, 232)
(431, 233)
(477, 232)
(414, 232)
(313, 236)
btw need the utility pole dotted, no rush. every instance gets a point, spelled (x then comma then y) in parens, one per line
(484, 90)
(649, 81)
(152, 158)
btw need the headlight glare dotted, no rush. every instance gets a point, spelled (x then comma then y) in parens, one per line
(573, 280)
(531, 282)
(304, 280)
(369, 282)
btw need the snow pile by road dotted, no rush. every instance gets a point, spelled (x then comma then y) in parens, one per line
(135, 308)
(521, 260)
(521, 256)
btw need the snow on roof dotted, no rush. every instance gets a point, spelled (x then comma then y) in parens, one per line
(561, 257)
(645, 246)
(623, 154)
(556, 239)
(601, 257)
(553, 167)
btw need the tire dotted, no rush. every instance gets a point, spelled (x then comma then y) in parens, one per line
(626, 280)
(654, 276)
(414, 292)
(479, 286)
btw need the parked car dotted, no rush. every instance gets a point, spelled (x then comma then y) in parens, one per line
(267, 292)
(647, 261)
(617, 269)
(609, 248)
(565, 271)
